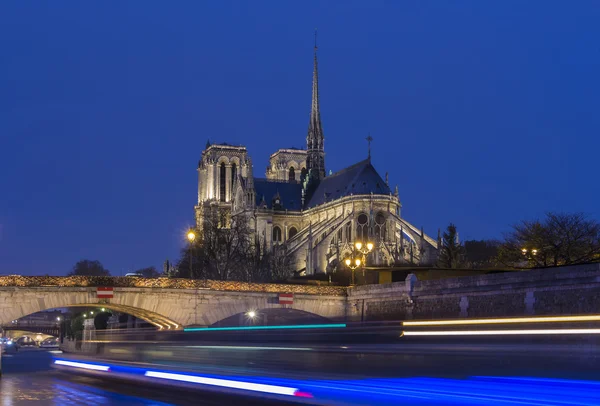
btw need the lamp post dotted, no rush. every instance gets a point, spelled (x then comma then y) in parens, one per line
(530, 254)
(362, 249)
(191, 236)
(353, 263)
(60, 330)
(532, 251)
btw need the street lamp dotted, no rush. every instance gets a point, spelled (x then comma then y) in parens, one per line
(191, 236)
(363, 250)
(353, 263)
(251, 314)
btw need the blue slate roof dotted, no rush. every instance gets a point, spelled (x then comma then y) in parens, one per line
(358, 179)
(290, 194)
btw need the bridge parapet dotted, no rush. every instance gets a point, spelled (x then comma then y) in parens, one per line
(167, 283)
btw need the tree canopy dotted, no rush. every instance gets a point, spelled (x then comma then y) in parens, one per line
(558, 239)
(148, 272)
(481, 254)
(86, 267)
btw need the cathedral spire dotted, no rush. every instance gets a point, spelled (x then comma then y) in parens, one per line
(315, 139)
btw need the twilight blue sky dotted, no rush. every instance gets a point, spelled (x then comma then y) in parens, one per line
(483, 112)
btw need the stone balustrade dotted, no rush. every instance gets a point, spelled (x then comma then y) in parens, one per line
(166, 283)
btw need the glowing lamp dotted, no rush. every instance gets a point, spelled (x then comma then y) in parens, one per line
(357, 262)
(358, 245)
(191, 236)
(369, 246)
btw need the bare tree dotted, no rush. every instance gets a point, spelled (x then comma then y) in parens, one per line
(559, 239)
(85, 267)
(223, 249)
(482, 253)
(148, 272)
(279, 263)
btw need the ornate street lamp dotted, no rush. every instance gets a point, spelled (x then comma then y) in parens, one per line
(364, 250)
(353, 263)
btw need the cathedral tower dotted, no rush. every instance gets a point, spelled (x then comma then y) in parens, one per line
(315, 160)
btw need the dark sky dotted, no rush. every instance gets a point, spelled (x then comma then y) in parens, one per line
(484, 113)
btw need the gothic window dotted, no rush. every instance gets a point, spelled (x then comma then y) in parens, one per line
(362, 227)
(303, 174)
(380, 226)
(348, 231)
(233, 176)
(292, 174)
(222, 182)
(276, 234)
(292, 232)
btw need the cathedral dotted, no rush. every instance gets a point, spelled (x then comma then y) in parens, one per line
(313, 217)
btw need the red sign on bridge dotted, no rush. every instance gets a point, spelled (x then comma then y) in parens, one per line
(286, 298)
(104, 293)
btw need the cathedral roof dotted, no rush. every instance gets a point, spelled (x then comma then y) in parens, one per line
(358, 179)
(289, 193)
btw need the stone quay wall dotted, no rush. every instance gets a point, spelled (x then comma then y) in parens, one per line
(550, 291)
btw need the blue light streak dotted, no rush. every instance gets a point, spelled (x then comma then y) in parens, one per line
(476, 390)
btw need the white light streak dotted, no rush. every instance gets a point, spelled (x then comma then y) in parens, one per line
(508, 320)
(225, 383)
(82, 365)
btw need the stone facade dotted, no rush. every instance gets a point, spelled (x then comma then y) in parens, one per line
(314, 219)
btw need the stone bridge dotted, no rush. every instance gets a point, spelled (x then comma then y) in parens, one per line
(174, 303)
(167, 303)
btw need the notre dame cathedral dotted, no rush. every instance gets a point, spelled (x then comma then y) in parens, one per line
(314, 217)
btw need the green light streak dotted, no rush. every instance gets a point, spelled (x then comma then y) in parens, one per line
(301, 326)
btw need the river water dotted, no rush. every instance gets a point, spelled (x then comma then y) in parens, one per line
(28, 379)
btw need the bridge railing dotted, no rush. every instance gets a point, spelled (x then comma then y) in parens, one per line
(165, 283)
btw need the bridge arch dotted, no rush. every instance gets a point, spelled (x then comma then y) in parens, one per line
(172, 308)
(272, 317)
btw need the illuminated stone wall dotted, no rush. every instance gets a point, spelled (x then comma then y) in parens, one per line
(552, 291)
(167, 283)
